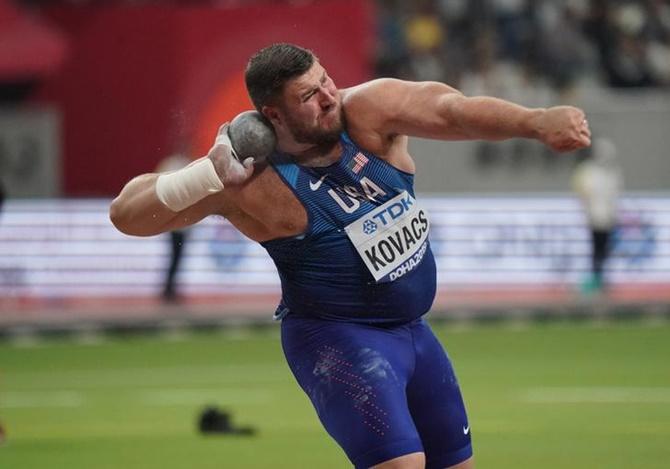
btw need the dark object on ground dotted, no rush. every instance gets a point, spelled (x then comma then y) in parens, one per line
(213, 420)
(3, 435)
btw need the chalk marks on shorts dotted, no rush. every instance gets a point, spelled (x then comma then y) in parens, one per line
(356, 381)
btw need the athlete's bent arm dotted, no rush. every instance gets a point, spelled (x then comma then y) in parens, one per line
(138, 211)
(438, 111)
(154, 203)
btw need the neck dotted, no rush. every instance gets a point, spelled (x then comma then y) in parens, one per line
(314, 155)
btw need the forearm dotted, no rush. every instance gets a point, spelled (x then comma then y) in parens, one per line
(138, 211)
(491, 118)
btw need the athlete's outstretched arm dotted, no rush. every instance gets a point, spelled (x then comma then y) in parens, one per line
(435, 110)
(154, 203)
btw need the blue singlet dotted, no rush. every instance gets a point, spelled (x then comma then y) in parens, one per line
(365, 256)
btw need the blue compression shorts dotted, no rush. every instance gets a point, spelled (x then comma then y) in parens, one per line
(380, 391)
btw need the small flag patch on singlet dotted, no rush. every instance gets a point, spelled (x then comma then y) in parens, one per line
(357, 162)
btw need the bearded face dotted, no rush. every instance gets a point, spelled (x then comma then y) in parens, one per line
(325, 128)
(311, 108)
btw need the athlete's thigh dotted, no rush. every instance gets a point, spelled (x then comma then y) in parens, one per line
(355, 376)
(436, 404)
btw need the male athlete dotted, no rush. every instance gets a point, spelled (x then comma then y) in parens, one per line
(334, 206)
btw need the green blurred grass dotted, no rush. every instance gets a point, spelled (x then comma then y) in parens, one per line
(554, 395)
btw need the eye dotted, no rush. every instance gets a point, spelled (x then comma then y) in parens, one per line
(306, 97)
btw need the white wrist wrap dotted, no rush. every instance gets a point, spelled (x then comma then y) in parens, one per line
(183, 188)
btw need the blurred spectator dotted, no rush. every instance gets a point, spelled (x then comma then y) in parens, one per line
(658, 59)
(598, 182)
(657, 31)
(623, 43)
(177, 237)
(2, 195)
(512, 25)
(423, 30)
(391, 54)
(2, 201)
(627, 64)
(562, 51)
(627, 35)
(425, 38)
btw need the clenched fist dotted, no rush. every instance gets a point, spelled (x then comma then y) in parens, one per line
(563, 128)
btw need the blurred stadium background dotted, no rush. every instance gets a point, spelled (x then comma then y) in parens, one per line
(98, 370)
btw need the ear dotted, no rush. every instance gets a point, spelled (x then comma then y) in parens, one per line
(272, 114)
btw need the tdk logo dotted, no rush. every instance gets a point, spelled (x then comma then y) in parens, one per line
(369, 227)
(393, 211)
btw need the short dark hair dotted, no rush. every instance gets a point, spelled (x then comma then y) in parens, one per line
(271, 67)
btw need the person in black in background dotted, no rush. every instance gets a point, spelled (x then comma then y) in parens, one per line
(2, 195)
(3, 434)
(177, 237)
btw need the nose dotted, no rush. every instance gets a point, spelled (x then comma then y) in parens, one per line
(327, 97)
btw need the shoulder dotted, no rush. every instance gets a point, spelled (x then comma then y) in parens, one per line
(392, 94)
(368, 108)
(369, 111)
(394, 107)
(373, 95)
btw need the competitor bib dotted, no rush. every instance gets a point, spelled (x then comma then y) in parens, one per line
(391, 239)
